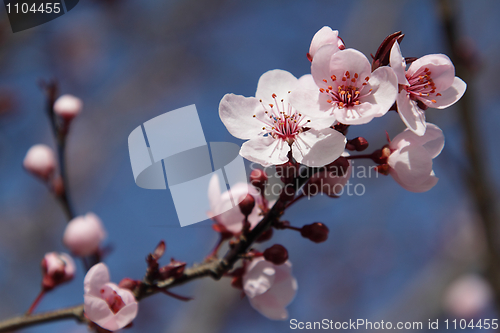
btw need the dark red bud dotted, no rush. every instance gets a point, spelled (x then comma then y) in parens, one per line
(247, 204)
(357, 144)
(258, 178)
(265, 236)
(381, 57)
(316, 232)
(160, 250)
(128, 283)
(277, 254)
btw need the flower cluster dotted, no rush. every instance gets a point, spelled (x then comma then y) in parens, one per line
(300, 127)
(305, 120)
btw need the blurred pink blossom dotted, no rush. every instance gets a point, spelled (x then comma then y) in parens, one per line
(57, 268)
(40, 161)
(270, 288)
(106, 304)
(411, 157)
(221, 205)
(343, 88)
(273, 126)
(84, 234)
(429, 80)
(68, 106)
(468, 296)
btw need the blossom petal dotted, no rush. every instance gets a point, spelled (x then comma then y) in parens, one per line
(398, 64)
(259, 278)
(328, 62)
(424, 186)
(412, 164)
(324, 36)
(265, 150)
(317, 148)
(277, 82)
(123, 317)
(384, 85)
(432, 140)
(320, 66)
(236, 112)
(97, 310)
(448, 97)
(96, 277)
(356, 114)
(440, 66)
(411, 114)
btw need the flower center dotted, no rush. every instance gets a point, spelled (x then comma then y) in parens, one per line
(282, 121)
(421, 84)
(347, 92)
(114, 301)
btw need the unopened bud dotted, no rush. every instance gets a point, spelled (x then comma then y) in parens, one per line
(277, 254)
(68, 107)
(357, 144)
(381, 57)
(316, 232)
(247, 204)
(84, 234)
(57, 268)
(342, 128)
(258, 178)
(40, 161)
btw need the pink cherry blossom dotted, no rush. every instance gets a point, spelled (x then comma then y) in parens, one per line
(40, 161)
(270, 288)
(411, 157)
(429, 80)
(57, 268)
(84, 234)
(343, 88)
(224, 213)
(273, 126)
(106, 304)
(68, 106)
(325, 36)
(468, 296)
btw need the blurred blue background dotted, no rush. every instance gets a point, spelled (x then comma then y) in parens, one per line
(392, 255)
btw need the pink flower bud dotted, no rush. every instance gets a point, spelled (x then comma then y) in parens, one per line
(277, 254)
(57, 268)
(316, 232)
(68, 107)
(40, 161)
(84, 234)
(105, 303)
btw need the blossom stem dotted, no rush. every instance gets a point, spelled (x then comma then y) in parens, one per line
(35, 302)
